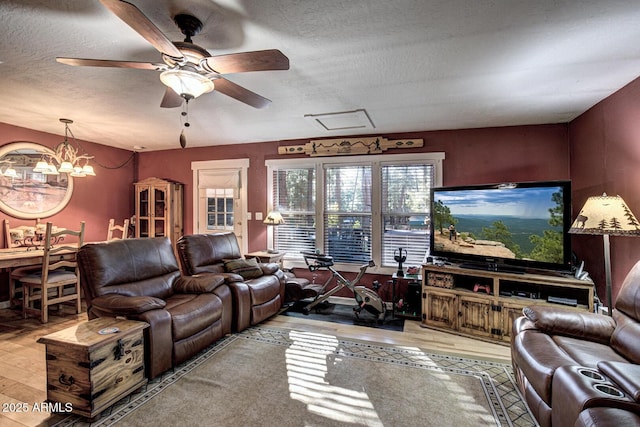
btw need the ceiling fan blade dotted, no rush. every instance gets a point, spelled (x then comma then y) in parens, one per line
(261, 60)
(235, 91)
(171, 99)
(133, 17)
(109, 63)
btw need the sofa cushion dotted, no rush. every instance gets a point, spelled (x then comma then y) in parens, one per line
(247, 268)
(586, 353)
(263, 289)
(201, 253)
(192, 313)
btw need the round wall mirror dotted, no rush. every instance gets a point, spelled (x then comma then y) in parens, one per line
(28, 194)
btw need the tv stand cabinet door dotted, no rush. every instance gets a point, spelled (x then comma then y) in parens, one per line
(510, 312)
(475, 316)
(440, 309)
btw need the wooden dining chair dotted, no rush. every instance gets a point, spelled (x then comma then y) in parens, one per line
(58, 281)
(15, 238)
(122, 229)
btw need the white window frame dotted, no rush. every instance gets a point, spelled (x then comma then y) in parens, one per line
(376, 161)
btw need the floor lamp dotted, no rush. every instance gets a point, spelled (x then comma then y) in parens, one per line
(606, 216)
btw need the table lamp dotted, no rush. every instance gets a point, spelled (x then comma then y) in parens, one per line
(273, 218)
(607, 216)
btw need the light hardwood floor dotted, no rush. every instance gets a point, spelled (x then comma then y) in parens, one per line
(23, 368)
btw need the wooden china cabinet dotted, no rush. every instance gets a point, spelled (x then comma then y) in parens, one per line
(159, 209)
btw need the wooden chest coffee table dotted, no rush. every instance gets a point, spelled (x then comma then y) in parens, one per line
(94, 364)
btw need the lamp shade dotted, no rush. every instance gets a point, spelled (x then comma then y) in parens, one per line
(10, 173)
(41, 166)
(187, 83)
(274, 218)
(65, 167)
(606, 215)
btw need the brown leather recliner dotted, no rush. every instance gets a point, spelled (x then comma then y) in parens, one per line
(567, 362)
(258, 290)
(140, 279)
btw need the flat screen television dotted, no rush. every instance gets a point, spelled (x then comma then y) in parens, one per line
(510, 226)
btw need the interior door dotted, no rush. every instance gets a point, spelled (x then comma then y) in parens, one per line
(220, 200)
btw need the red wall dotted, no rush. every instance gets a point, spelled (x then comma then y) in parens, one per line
(605, 155)
(109, 194)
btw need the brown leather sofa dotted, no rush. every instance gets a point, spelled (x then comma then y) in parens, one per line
(140, 279)
(258, 289)
(580, 368)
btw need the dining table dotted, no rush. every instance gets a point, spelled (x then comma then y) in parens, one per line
(24, 256)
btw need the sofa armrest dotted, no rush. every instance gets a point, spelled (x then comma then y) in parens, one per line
(198, 284)
(589, 326)
(269, 267)
(241, 296)
(231, 277)
(122, 305)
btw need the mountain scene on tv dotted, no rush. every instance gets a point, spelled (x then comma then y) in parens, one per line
(515, 223)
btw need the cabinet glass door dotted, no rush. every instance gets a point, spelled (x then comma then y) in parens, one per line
(143, 222)
(160, 212)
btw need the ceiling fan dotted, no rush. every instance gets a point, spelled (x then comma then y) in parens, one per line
(188, 70)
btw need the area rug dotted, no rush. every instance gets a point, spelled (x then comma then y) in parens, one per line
(280, 377)
(343, 313)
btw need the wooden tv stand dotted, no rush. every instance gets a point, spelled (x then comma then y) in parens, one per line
(484, 304)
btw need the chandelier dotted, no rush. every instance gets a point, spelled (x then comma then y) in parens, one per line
(9, 172)
(65, 158)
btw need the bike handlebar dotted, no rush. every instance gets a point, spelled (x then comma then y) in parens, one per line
(326, 261)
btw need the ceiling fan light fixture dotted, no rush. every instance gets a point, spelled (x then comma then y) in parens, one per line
(187, 84)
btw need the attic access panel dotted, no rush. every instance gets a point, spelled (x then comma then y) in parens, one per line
(344, 120)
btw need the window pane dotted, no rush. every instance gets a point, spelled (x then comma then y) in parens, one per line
(297, 234)
(294, 196)
(348, 189)
(348, 237)
(405, 211)
(347, 213)
(220, 204)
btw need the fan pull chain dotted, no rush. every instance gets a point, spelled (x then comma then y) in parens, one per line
(185, 114)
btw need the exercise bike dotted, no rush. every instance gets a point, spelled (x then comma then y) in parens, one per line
(366, 298)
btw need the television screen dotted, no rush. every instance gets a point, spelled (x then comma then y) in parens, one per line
(498, 225)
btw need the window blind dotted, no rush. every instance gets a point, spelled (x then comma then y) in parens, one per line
(347, 213)
(294, 196)
(405, 211)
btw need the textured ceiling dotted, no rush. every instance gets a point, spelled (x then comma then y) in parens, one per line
(411, 65)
